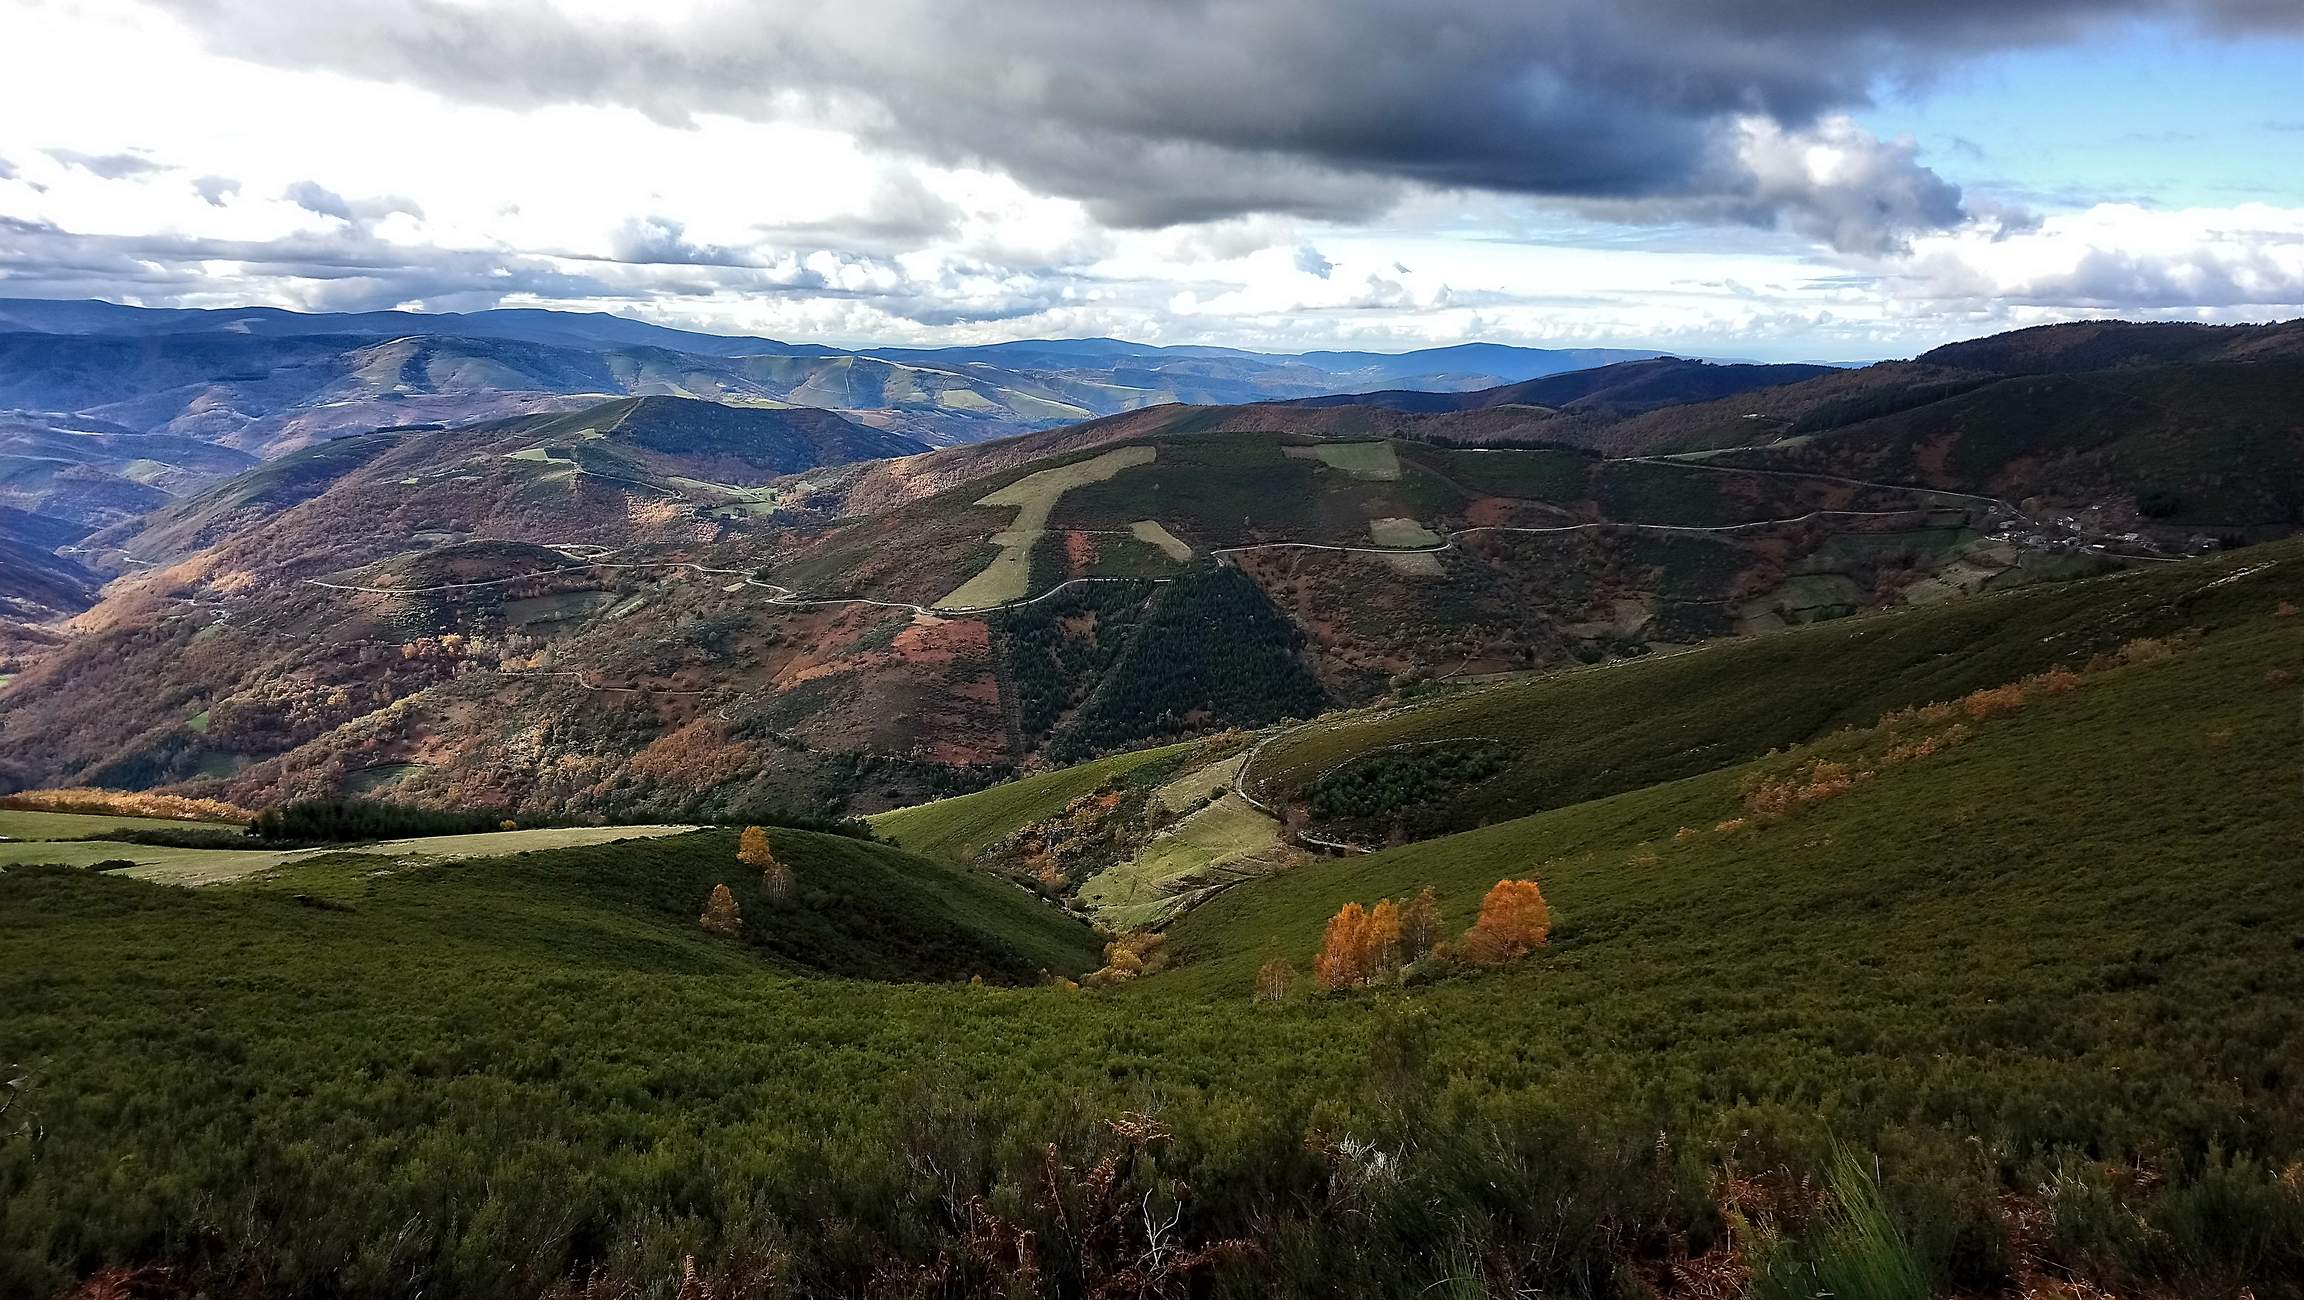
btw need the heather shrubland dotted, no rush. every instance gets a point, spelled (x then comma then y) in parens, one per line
(2019, 1016)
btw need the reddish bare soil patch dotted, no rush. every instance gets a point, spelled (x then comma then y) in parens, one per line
(1079, 554)
(932, 641)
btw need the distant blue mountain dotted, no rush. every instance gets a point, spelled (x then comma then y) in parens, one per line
(1491, 362)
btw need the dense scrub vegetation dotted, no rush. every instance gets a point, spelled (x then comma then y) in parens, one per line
(1874, 403)
(2024, 1008)
(351, 821)
(1399, 783)
(339, 821)
(1227, 488)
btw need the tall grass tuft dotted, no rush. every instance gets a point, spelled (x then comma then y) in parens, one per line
(1853, 1250)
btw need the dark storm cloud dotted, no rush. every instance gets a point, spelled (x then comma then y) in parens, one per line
(1162, 111)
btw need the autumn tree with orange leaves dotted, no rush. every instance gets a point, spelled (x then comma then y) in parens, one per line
(1514, 921)
(1383, 941)
(1361, 946)
(1341, 963)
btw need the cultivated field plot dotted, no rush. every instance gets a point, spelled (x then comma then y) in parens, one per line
(1199, 783)
(1372, 461)
(1417, 563)
(1401, 532)
(964, 826)
(1150, 531)
(1009, 576)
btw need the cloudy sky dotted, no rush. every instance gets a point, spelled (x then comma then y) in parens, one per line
(1765, 178)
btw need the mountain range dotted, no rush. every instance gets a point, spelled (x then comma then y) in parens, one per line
(257, 377)
(664, 601)
(108, 412)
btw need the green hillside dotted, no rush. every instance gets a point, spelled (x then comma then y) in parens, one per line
(2042, 980)
(964, 826)
(1582, 734)
(2141, 785)
(34, 825)
(857, 909)
(2045, 981)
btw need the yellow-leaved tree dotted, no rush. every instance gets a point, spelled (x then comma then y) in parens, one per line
(720, 914)
(1361, 946)
(1383, 942)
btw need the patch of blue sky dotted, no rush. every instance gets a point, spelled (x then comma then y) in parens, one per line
(2154, 113)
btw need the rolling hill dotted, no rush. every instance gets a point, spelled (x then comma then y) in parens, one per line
(546, 614)
(39, 586)
(457, 608)
(2212, 448)
(2021, 1006)
(1499, 362)
(669, 608)
(2148, 411)
(550, 475)
(1452, 759)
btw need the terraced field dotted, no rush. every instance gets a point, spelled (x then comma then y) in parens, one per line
(1219, 845)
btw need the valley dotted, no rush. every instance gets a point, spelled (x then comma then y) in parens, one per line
(1458, 650)
(714, 576)
(716, 848)
(1721, 989)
